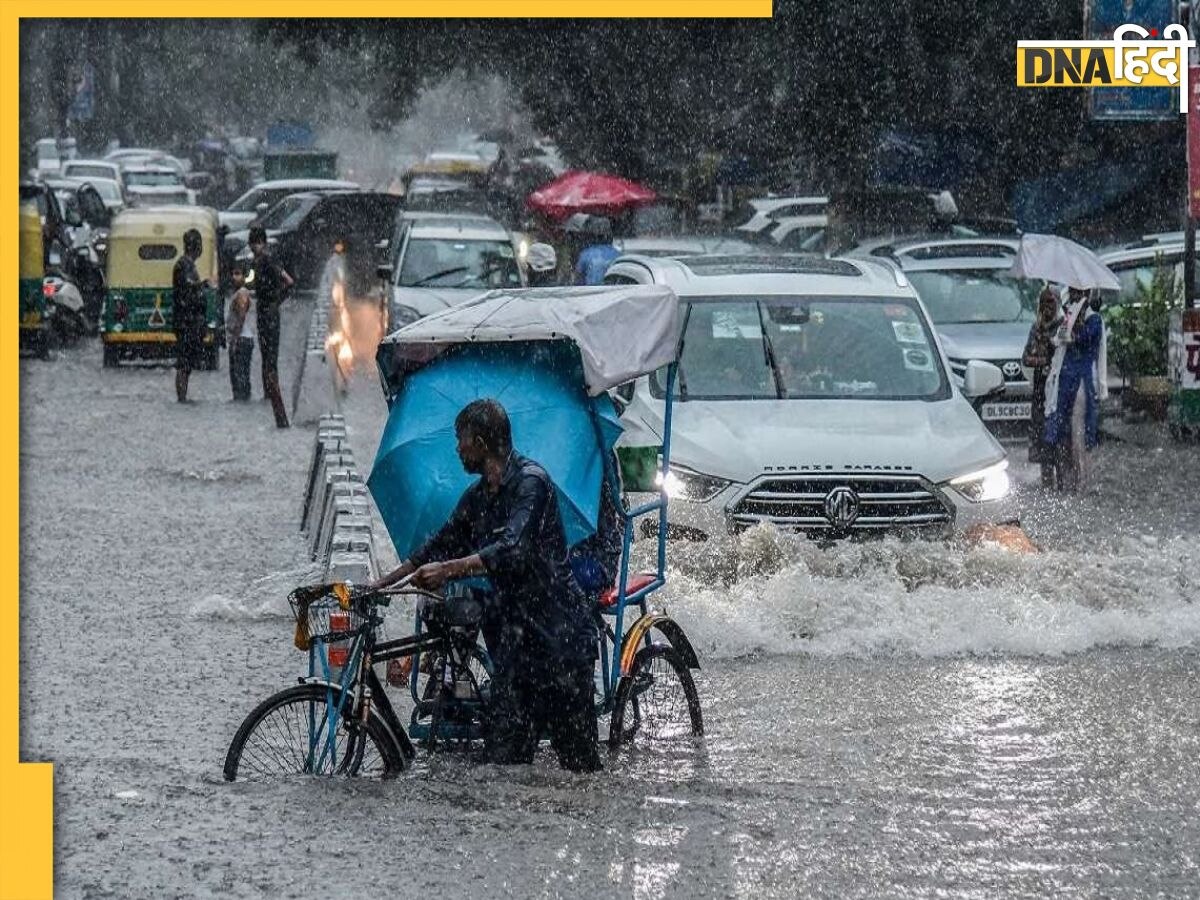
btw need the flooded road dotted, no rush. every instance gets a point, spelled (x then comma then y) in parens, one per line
(884, 719)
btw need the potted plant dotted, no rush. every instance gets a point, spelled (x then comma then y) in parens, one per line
(1137, 339)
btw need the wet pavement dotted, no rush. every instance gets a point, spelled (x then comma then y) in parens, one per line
(884, 719)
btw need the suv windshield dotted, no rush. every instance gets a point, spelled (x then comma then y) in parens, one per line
(445, 262)
(287, 213)
(807, 348)
(963, 297)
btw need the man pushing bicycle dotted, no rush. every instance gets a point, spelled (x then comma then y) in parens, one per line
(542, 630)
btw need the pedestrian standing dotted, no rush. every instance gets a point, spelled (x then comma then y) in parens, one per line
(1077, 369)
(543, 265)
(271, 284)
(1039, 350)
(240, 333)
(599, 252)
(188, 310)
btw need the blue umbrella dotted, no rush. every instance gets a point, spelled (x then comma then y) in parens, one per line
(417, 477)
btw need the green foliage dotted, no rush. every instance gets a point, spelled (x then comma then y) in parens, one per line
(1137, 331)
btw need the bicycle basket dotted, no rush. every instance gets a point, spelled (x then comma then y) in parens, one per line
(318, 618)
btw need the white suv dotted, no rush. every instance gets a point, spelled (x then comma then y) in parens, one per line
(813, 394)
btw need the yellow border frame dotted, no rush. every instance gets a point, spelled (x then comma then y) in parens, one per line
(27, 789)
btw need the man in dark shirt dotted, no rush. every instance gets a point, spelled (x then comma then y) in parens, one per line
(507, 526)
(188, 311)
(271, 284)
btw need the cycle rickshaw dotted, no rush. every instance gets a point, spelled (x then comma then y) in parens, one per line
(550, 357)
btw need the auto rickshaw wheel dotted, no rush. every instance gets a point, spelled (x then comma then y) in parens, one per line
(41, 345)
(112, 357)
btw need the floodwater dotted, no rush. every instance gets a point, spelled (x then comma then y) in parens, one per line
(884, 719)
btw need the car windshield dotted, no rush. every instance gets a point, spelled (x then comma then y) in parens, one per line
(963, 297)
(287, 213)
(445, 262)
(807, 348)
(84, 170)
(1143, 274)
(152, 179)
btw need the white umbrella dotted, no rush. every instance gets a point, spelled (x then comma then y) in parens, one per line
(1057, 259)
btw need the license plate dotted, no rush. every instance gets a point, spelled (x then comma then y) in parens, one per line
(1006, 411)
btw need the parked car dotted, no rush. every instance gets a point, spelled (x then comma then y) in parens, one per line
(305, 230)
(1136, 261)
(440, 259)
(813, 394)
(260, 198)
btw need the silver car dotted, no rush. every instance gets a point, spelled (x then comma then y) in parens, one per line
(978, 310)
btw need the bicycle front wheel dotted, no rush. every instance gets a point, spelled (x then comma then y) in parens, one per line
(309, 730)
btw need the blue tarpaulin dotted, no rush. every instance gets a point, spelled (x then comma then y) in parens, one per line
(417, 477)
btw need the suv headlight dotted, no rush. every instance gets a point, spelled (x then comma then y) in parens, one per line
(683, 484)
(401, 315)
(987, 484)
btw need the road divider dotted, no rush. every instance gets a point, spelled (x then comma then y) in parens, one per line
(336, 513)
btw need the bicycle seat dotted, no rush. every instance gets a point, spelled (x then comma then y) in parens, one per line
(635, 583)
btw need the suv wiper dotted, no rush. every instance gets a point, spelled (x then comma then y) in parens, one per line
(769, 353)
(443, 274)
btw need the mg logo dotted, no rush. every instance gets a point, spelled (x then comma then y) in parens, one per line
(841, 507)
(1011, 369)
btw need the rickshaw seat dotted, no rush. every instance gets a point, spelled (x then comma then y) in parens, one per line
(635, 584)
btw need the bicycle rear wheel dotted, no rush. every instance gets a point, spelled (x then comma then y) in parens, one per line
(305, 730)
(657, 702)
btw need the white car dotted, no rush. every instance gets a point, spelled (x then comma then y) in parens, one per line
(441, 259)
(684, 245)
(260, 198)
(769, 212)
(92, 169)
(155, 185)
(813, 394)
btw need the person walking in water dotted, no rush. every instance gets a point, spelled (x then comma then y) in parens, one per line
(271, 284)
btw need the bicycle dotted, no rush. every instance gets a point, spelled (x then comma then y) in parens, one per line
(338, 720)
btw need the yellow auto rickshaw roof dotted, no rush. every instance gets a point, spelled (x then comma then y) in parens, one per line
(133, 228)
(164, 222)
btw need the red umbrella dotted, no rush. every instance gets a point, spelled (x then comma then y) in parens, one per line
(588, 192)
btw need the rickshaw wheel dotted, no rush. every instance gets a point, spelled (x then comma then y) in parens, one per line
(112, 357)
(657, 701)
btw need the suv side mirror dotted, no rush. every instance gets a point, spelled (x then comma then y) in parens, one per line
(981, 379)
(260, 208)
(384, 272)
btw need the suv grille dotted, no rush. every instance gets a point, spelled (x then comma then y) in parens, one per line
(799, 502)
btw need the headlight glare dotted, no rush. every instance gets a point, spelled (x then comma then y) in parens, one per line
(683, 484)
(987, 484)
